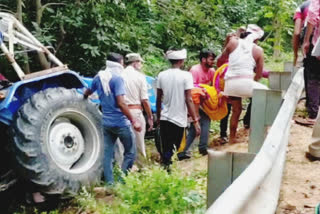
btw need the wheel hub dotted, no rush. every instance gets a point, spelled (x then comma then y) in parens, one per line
(69, 142)
(66, 144)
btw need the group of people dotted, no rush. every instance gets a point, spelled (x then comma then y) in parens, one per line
(123, 95)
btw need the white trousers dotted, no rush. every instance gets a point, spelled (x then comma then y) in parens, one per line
(141, 147)
(241, 87)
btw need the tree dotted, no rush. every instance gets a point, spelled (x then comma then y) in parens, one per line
(83, 32)
(25, 55)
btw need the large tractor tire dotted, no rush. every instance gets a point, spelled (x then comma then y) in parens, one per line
(58, 141)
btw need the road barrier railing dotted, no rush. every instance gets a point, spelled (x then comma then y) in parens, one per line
(249, 183)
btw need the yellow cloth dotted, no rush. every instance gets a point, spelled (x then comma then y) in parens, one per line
(183, 142)
(216, 106)
(219, 72)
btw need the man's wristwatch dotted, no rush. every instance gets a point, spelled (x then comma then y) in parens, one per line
(196, 120)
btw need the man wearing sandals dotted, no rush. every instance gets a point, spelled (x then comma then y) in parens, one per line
(174, 92)
(313, 86)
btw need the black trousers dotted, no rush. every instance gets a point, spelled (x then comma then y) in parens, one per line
(224, 123)
(312, 84)
(247, 116)
(171, 136)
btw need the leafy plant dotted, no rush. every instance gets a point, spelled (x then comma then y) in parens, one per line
(215, 127)
(156, 191)
(83, 32)
(151, 191)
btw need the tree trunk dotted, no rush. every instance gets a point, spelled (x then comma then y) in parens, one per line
(26, 66)
(277, 39)
(45, 64)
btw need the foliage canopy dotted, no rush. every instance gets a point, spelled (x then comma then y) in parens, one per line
(83, 32)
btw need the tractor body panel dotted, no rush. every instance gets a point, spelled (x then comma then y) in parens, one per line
(20, 91)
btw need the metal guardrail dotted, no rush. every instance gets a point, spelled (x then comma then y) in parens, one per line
(256, 189)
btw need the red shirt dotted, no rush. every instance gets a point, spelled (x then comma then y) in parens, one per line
(200, 76)
(302, 11)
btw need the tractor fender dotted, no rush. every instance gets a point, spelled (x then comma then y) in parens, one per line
(20, 91)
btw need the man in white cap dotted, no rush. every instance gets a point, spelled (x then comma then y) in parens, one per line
(137, 99)
(245, 69)
(174, 92)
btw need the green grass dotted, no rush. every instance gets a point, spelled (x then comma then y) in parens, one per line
(151, 191)
(277, 64)
(215, 127)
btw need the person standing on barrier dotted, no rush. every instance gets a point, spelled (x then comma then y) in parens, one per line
(312, 63)
(174, 92)
(202, 74)
(116, 117)
(220, 61)
(240, 80)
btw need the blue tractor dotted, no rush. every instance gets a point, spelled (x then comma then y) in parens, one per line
(49, 135)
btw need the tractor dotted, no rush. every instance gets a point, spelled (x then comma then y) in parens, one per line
(49, 135)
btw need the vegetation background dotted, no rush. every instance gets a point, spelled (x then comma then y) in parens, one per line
(82, 32)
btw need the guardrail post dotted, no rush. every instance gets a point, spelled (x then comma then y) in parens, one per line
(279, 80)
(219, 174)
(223, 169)
(265, 107)
(288, 66)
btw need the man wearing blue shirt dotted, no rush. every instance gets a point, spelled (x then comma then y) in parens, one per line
(117, 120)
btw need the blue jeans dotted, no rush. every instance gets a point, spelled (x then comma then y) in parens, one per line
(204, 136)
(126, 135)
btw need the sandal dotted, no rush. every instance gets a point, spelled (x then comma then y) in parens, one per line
(305, 121)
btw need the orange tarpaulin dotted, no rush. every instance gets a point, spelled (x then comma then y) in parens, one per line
(196, 94)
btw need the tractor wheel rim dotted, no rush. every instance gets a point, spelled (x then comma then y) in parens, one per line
(73, 142)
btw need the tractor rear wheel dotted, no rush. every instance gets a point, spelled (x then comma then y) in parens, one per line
(58, 141)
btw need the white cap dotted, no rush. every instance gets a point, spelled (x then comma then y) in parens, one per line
(132, 57)
(176, 55)
(256, 31)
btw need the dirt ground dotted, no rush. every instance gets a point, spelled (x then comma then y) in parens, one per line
(300, 190)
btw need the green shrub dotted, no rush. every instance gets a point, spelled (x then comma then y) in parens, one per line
(215, 127)
(156, 191)
(154, 65)
(153, 190)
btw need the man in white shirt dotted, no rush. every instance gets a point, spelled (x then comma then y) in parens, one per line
(174, 92)
(137, 99)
